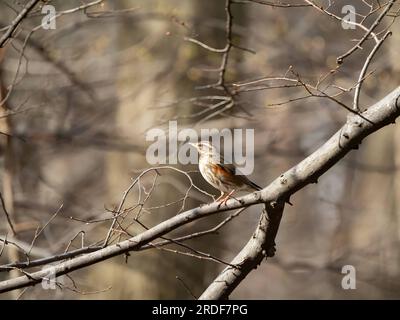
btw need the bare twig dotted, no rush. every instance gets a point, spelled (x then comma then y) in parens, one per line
(278, 4)
(7, 214)
(15, 23)
(39, 231)
(95, 247)
(366, 35)
(364, 71)
(338, 18)
(135, 181)
(186, 287)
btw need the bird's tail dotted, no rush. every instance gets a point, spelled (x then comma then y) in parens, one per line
(254, 186)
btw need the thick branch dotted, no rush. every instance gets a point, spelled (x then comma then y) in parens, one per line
(260, 245)
(308, 171)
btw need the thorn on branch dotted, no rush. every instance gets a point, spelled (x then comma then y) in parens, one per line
(289, 203)
(127, 255)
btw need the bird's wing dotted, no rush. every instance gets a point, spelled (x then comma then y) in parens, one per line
(228, 172)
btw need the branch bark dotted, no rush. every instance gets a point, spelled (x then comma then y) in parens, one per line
(274, 196)
(260, 245)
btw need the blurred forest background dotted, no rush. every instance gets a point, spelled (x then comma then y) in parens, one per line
(88, 91)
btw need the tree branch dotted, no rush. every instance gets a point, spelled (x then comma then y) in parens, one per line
(260, 245)
(15, 23)
(366, 35)
(274, 195)
(309, 170)
(364, 69)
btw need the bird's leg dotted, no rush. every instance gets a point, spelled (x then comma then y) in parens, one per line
(221, 196)
(224, 200)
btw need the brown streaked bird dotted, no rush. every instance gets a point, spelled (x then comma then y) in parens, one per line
(220, 175)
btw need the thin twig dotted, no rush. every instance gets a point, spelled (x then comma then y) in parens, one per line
(15, 23)
(38, 233)
(186, 287)
(364, 71)
(366, 35)
(7, 215)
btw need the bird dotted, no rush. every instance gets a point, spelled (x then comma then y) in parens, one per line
(220, 175)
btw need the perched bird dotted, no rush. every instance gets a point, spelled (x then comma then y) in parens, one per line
(220, 175)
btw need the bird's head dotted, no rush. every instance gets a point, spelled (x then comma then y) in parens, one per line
(204, 148)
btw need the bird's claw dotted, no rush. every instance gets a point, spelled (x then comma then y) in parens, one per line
(223, 201)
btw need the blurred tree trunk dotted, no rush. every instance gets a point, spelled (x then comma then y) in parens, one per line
(154, 76)
(395, 78)
(7, 177)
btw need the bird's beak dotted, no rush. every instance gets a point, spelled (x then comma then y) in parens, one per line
(193, 145)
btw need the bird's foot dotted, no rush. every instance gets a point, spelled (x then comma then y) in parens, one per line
(225, 199)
